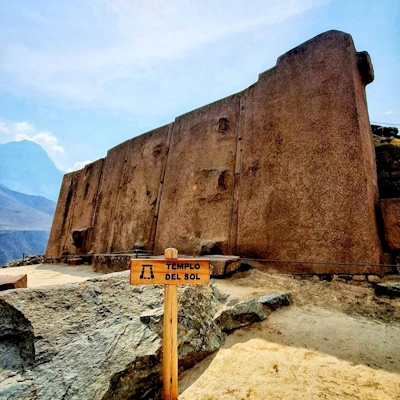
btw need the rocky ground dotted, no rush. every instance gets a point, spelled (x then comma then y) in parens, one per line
(336, 341)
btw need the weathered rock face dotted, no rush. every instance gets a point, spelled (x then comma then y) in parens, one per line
(100, 339)
(284, 170)
(240, 314)
(391, 220)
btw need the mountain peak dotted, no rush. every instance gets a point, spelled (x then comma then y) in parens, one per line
(25, 167)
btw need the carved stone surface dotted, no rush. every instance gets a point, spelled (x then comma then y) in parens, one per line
(284, 170)
(391, 220)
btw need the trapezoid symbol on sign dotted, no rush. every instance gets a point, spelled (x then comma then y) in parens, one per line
(147, 271)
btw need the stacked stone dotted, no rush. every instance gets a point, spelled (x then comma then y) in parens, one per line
(387, 162)
(28, 260)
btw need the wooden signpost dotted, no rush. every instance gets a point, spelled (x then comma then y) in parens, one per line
(171, 272)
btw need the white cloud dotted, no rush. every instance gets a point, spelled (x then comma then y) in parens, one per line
(78, 53)
(23, 127)
(79, 165)
(18, 131)
(389, 112)
(3, 128)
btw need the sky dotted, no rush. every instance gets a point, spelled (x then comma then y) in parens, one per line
(79, 77)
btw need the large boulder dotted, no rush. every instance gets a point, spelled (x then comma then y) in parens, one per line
(98, 339)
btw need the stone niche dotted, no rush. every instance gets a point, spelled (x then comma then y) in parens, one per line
(283, 170)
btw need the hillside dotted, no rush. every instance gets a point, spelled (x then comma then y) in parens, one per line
(25, 223)
(14, 243)
(19, 211)
(26, 168)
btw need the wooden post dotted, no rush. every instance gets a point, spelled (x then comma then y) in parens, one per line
(170, 272)
(170, 338)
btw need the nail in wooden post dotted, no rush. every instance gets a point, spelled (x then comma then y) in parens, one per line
(170, 339)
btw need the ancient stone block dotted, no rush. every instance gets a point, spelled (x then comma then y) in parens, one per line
(107, 264)
(284, 170)
(75, 261)
(199, 180)
(391, 220)
(306, 129)
(61, 221)
(75, 208)
(373, 278)
(222, 265)
(127, 210)
(13, 281)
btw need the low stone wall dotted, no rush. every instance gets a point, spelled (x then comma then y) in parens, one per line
(109, 264)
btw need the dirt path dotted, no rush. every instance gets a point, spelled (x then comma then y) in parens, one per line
(336, 341)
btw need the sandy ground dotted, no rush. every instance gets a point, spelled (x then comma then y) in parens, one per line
(52, 274)
(337, 341)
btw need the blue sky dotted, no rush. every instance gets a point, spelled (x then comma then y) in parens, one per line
(81, 76)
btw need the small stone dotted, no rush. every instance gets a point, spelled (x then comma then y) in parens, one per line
(373, 278)
(223, 265)
(359, 278)
(232, 267)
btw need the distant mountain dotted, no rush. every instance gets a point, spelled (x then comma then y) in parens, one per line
(26, 168)
(20, 212)
(25, 223)
(14, 243)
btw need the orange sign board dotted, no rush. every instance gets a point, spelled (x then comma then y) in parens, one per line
(170, 272)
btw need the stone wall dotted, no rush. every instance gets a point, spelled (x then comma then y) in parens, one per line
(388, 165)
(391, 220)
(283, 170)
